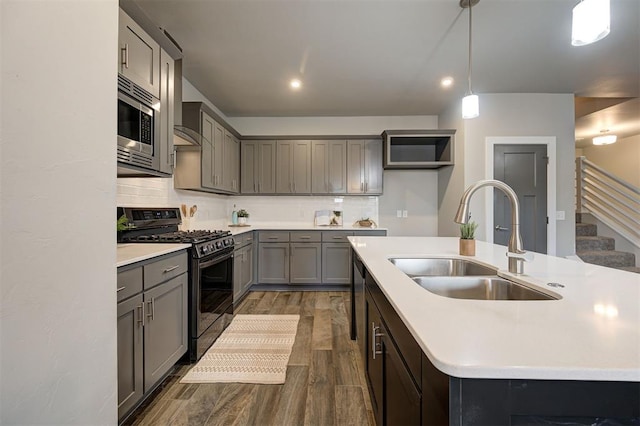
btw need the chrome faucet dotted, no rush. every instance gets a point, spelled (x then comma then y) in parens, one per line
(515, 251)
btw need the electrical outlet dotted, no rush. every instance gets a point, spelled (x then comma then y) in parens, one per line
(405, 213)
(560, 215)
(399, 213)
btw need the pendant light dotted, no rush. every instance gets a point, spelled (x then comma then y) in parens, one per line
(591, 20)
(470, 103)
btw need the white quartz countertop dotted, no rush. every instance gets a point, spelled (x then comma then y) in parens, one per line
(132, 253)
(591, 333)
(295, 226)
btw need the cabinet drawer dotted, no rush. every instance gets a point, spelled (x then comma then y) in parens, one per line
(129, 283)
(372, 233)
(305, 236)
(273, 237)
(336, 236)
(164, 269)
(242, 240)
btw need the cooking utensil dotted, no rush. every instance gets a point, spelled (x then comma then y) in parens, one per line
(193, 210)
(183, 209)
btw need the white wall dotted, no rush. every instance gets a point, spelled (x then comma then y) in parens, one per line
(57, 291)
(621, 158)
(516, 115)
(416, 192)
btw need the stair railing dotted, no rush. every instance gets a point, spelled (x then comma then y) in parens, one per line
(611, 200)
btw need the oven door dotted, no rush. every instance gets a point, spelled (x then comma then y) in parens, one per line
(213, 287)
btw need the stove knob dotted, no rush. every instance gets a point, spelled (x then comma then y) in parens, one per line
(218, 244)
(212, 247)
(203, 250)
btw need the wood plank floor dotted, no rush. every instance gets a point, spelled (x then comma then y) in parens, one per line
(325, 382)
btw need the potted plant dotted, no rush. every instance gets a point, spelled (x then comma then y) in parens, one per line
(467, 238)
(243, 216)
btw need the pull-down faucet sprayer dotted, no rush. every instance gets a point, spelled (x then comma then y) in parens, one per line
(515, 251)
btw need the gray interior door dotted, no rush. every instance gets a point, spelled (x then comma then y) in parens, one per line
(524, 168)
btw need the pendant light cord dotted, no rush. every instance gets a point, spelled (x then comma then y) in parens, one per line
(470, 19)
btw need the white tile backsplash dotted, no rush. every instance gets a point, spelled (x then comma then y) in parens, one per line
(214, 211)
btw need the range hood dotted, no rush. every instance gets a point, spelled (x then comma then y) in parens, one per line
(184, 136)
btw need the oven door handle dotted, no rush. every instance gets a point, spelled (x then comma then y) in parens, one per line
(218, 259)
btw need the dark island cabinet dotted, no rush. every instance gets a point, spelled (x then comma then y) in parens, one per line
(407, 389)
(395, 395)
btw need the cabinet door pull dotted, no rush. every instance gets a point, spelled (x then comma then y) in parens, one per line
(120, 289)
(305, 237)
(125, 61)
(336, 237)
(141, 315)
(170, 269)
(361, 186)
(294, 187)
(152, 309)
(374, 340)
(273, 238)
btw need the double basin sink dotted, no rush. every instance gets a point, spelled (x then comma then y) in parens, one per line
(464, 279)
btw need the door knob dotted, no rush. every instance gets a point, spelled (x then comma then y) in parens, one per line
(500, 228)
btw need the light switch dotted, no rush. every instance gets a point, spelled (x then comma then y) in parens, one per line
(399, 213)
(405, 213)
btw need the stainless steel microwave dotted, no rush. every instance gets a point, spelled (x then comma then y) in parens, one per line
(138, 126)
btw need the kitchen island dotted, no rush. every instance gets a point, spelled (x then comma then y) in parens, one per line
(586, 344)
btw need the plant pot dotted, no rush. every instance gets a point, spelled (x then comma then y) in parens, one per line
(242, 220)
(467, 247)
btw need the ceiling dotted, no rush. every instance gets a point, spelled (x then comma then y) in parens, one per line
(387, 57)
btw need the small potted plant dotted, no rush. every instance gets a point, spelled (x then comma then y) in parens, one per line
(243, 216)
(467, 238)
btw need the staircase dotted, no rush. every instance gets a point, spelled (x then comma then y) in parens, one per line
(598, 250)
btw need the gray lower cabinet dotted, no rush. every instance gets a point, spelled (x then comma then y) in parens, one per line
(336, 263)
(243, 262)
(306, 257)
(151, 325)
(165, 328)
(306, 263)
(273, 263)
(130, 354)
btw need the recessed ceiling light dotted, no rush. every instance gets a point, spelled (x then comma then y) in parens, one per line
(295, 84)
(446, 82)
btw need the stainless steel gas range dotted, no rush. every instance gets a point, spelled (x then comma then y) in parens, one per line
(210, 270)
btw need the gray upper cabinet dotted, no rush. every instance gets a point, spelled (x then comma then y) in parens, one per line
(258, 167)
(231, 164)
(207, 129)
(293, 174)
(139, 55)
(213, 166)
(166, 112)
(364, 166)
(329, 167)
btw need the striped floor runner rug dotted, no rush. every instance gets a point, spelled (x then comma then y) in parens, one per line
(253, 349)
